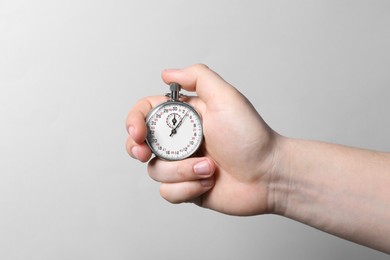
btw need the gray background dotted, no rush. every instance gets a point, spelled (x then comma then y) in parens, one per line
(71, 70)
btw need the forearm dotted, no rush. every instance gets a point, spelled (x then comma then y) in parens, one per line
(340, 190)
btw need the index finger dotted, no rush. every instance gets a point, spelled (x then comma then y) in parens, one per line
(201, 79)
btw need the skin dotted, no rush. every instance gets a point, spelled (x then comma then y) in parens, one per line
(340, 190)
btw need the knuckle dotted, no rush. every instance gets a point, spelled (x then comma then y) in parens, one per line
(189, 192)
(177, 195)
(181, 171)
(128, 145)
(167, 195)
(201, 66)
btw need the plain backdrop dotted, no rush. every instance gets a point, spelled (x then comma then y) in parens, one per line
(71, 70)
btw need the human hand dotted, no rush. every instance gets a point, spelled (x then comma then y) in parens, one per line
(237, 157)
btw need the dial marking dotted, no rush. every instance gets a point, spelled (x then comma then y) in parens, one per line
(174, 130)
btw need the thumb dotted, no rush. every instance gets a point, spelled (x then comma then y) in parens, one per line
(199, 78)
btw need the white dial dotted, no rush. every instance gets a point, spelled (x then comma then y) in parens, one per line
(174, 130)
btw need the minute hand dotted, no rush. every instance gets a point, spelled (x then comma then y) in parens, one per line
(178, 125)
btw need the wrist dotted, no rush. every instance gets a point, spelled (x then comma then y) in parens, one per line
(280, 176)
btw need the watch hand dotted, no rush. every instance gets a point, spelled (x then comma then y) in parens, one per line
(174, 119)
(178, 125)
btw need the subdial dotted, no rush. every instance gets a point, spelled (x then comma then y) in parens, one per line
(173, 119)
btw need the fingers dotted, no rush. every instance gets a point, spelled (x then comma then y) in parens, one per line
(138, 151)
(199, 78)
(179, 171)
(135, 123)
(185, 191)
(136, 127)
(183, 180)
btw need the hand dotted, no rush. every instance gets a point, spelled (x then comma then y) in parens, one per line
(248, 169)
(238, 158)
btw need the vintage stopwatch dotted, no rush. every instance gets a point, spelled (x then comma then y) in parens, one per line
(174, 128)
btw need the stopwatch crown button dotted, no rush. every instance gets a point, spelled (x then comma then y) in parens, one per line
(175, 86)
(175, 89)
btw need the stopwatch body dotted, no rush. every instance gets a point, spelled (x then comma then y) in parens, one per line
(174, 128)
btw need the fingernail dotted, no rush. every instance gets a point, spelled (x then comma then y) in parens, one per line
(131, 131)
(207, 182)
(202, 168)
(134, 151)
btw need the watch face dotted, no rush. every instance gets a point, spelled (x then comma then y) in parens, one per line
(174, 130)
